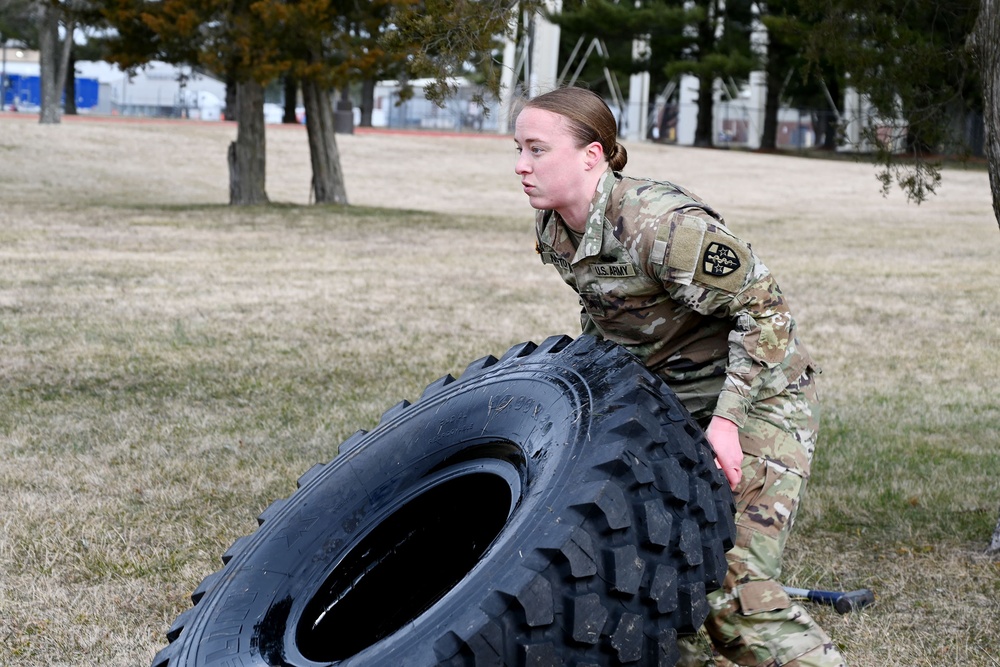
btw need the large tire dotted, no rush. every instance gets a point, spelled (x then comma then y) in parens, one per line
(555, 507)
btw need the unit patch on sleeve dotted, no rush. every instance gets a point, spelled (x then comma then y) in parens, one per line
(720, 260)
(725, 262)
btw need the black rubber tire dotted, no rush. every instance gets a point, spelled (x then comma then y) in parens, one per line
(555, 507)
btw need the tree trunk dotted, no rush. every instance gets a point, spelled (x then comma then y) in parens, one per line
(48, 63)
(986, 50)
(831, 120)
(779, 57)
(703, 130)
(367, 102)
(291, 99)
(772, 103)
(53, 63)
(69, 99)
(707, 36)
(247, 154)
(64, 57)
(328, 177)
(231, 97)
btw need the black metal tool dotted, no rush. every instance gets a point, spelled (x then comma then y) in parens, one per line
(841, 601)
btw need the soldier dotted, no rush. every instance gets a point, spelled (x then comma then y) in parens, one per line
(658, 271)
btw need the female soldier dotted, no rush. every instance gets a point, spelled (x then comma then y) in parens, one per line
(658, 272)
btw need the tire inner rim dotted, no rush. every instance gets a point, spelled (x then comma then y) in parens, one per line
(425, 543)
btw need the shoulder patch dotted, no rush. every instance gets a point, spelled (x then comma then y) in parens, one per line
(724, 263)
(695, 249)
(719, 259)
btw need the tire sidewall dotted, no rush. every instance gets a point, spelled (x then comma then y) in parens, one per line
(592, 443)
(539, 408)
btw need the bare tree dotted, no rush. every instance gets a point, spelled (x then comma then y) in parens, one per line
(246, 157)
(328, 177)
(53, 55)
(986, 48)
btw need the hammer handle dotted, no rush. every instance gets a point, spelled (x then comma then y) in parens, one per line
(841, 601)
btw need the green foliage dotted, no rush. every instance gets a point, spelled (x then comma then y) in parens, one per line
(17, 22)
(672, 31)
(331, 42)
(441, 39)
(226, 37)
(721, 47)
(910, 60)
(709, 39)
(789, 25)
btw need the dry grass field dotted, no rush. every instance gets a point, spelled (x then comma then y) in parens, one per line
(170, 365)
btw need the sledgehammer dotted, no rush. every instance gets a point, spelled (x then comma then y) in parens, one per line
(842, 601)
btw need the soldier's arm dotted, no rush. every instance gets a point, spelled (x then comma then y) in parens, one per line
(714, 273)
(587, 324)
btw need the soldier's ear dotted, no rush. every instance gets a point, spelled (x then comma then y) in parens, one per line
(593, 155)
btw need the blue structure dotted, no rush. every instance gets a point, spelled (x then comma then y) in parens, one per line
(21, 89)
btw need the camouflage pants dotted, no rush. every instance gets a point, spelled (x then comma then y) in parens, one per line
(752, 620)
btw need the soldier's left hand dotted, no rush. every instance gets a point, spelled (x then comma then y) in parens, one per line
(724, 436)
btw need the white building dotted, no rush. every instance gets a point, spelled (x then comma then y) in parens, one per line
(459, 112)
(158, 89)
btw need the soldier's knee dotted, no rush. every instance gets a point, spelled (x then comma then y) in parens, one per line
(763, 627)
(825, 655)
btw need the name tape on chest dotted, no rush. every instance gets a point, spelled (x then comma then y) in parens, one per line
(623, 270)
(554, 258)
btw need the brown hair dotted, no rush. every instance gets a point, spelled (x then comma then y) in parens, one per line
(589, 118)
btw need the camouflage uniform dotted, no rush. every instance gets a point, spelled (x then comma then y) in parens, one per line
(658, 272)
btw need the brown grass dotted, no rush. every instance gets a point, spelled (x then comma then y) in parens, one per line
(170, 365)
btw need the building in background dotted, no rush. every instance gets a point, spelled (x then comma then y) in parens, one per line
(158, 89)
(460, 112)
(20, 83)
(170, 91)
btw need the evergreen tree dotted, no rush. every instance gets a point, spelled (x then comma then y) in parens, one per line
(324, 44)
(659, 23)
(721, 50)
(910, 58)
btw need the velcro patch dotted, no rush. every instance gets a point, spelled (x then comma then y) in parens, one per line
(685, 243)
(659, 252)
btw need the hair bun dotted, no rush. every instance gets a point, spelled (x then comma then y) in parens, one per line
(618, 157)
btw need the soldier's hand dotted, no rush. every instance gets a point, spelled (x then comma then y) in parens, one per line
(724, 436)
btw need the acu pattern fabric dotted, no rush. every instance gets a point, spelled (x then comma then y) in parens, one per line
(658, 272)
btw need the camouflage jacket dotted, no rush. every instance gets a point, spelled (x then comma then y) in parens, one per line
(658, 272)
